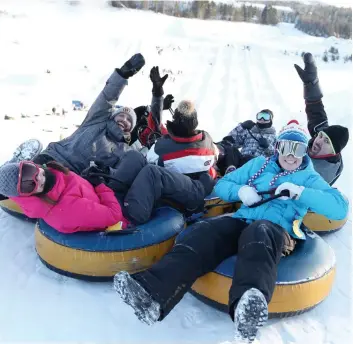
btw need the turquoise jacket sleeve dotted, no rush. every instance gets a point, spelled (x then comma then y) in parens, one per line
(227, 187)
(321, 198)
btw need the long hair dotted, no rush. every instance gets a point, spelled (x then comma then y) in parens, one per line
(50, 180)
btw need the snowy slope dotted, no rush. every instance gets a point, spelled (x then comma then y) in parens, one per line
(228, 84)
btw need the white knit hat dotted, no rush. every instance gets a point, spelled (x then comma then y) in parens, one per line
(128, 111)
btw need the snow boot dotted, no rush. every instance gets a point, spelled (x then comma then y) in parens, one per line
(250, 314)
(28, 150)
(132, 293)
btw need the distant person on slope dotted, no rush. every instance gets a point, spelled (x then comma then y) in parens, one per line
(327, 140)
(254, 139)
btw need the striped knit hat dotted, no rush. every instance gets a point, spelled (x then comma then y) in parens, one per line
(293, 131)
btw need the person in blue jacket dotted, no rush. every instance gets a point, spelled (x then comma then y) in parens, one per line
(258, 234)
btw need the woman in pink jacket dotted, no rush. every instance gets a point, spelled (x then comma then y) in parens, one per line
(63, 199)
(71, 203)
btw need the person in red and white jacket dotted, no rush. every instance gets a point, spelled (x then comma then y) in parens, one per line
(185, 149)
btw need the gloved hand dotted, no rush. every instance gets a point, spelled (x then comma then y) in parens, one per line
(101, 168)
(248, 195)
(248, 124)
(312, 91)
(295, 191)
(167, 102)
(131, 66)
(263, 143)
(93, 169)
(157, 81)
(95, 180)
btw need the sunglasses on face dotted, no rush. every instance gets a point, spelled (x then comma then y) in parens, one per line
(27, 181)
(297, 149)
(264, 116)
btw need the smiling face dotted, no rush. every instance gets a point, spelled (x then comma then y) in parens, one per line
(41, 181)
(321, 145)
(289, 162)
(124, 122)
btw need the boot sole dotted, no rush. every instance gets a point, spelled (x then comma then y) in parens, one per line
(250, 315)
(136, 297)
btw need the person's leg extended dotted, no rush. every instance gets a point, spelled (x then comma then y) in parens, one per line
(155, 292)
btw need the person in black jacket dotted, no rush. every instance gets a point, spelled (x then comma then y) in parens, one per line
(327, 140)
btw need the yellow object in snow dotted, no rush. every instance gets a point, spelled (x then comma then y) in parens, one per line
(117, 227)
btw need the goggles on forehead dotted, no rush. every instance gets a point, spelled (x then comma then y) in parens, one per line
(266, 116)
(27, 180)
(297, 149)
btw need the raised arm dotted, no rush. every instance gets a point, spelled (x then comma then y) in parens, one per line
(316, 115)
(102, 107)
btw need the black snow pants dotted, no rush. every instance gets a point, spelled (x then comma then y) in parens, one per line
(138, 186)
(203, 247)
(155, 183)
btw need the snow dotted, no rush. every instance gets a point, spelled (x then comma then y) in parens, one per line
(228, 83)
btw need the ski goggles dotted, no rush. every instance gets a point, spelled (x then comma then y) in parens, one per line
(297, 149)
(27, 181)
(266, 116)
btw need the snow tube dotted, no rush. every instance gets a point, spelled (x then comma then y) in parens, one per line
(214, 206)
(98, 256)
(320, 224)
(14, 209)
(304, 279)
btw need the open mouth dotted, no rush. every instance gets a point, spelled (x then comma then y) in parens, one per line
(290, 162)
(121, 125)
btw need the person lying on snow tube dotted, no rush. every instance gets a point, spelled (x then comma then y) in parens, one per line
(185, 149)
(104, 135)
(254, 139)
(70, 203)
(327, 140)
(259, 233)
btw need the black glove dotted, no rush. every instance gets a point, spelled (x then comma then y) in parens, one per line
(312, 91)
(132, 66)
(168, 101)
(248, 124)
(227, 140)
(101, 168)
(157, 81)
(95, 180)
(263, 143)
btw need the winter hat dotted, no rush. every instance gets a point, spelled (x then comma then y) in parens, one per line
(9, 175)
(184, 119)
(293, 131)
(128, 111)
(338, 135)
